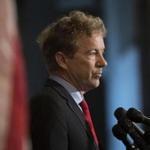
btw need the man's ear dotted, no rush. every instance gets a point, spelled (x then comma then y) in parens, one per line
(61, 60)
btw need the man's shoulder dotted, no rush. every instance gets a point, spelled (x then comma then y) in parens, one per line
(51, 88)
(51, 92)
(44, 94)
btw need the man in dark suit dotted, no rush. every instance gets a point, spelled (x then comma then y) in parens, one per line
(73, 48)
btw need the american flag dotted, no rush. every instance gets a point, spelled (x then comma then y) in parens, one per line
(13, 97)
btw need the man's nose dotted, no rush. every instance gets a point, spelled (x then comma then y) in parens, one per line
(101, 62)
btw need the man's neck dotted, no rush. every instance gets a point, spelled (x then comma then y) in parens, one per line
(70, 81)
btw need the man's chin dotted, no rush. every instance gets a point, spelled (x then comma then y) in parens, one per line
(96, 83)
(92, 85)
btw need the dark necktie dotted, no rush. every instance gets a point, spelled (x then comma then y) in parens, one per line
(88, 119)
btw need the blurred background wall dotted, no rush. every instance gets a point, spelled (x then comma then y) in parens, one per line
(126, 80)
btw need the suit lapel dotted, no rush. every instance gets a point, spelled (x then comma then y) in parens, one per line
(69, 100)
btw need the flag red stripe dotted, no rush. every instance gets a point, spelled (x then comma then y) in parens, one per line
(18, 119)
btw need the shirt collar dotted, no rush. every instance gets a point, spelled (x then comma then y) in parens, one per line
(77, 96)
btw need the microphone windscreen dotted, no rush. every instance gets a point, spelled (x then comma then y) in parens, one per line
(120, 113)
(118, 132)
(135, 115)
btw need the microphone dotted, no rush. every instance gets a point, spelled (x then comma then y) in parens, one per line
(121, 115)
(120, 134)
(129, 127)
(138, 116)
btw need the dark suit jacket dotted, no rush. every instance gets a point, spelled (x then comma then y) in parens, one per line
(57, 123)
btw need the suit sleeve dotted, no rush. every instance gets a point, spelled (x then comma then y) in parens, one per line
(48, 125)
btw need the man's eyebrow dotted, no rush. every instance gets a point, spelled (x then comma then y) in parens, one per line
(102, 49)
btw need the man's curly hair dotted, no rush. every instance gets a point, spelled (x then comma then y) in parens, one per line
(63, 35)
